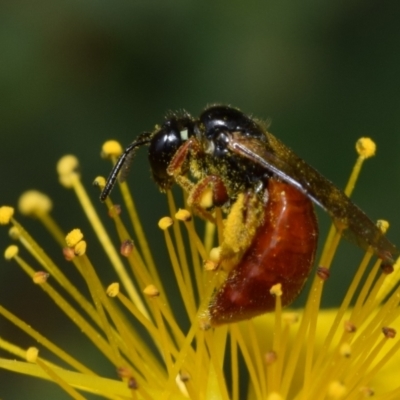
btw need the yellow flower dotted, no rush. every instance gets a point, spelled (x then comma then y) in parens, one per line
(343, 353)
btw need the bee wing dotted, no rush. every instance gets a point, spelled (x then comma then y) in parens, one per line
(275, 157)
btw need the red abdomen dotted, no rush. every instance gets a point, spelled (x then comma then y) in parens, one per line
(282, 251)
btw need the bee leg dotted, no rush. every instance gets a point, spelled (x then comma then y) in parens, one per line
(179, 163)
(210, 192)
(242, 222)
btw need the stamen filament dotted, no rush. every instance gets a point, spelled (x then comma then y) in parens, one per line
(234, 368)
(254, 377)
(45, 342)
(186, 297)
(70, 311)
(59, 381)
(106, 243)
(179, 241)
(275, 380)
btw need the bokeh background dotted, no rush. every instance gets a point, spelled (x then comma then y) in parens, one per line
(74, 74)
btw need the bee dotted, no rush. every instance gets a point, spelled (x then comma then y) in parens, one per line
(228, 159)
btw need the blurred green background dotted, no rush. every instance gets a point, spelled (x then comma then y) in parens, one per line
(74, 74)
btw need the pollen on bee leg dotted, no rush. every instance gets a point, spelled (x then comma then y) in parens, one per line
(6, 214)
(11, 252)
(365, 147)
(245, 217)
(206, 200)
(111, 148)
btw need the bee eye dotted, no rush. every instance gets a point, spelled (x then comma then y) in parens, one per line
(163, 147)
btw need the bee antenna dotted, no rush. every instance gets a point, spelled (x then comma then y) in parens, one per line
(124, 162)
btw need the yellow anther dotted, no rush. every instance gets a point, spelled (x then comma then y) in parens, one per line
(345, 350)
(67, 168)
(366, 147)
(80, 248)
(32, 354)
(100, 181)
(165, 222)
(336, 390)
(382, 225)
(34, 203)
(11, 252)
(151, 291)
(14, 233)
(274, 396)
(113, 289)
(183, 215)
(40, 277)
(111, 148)
(276, 290)
(215, 255)
(6, 214)
(67, 165)
(290, 318)
(74, 237)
